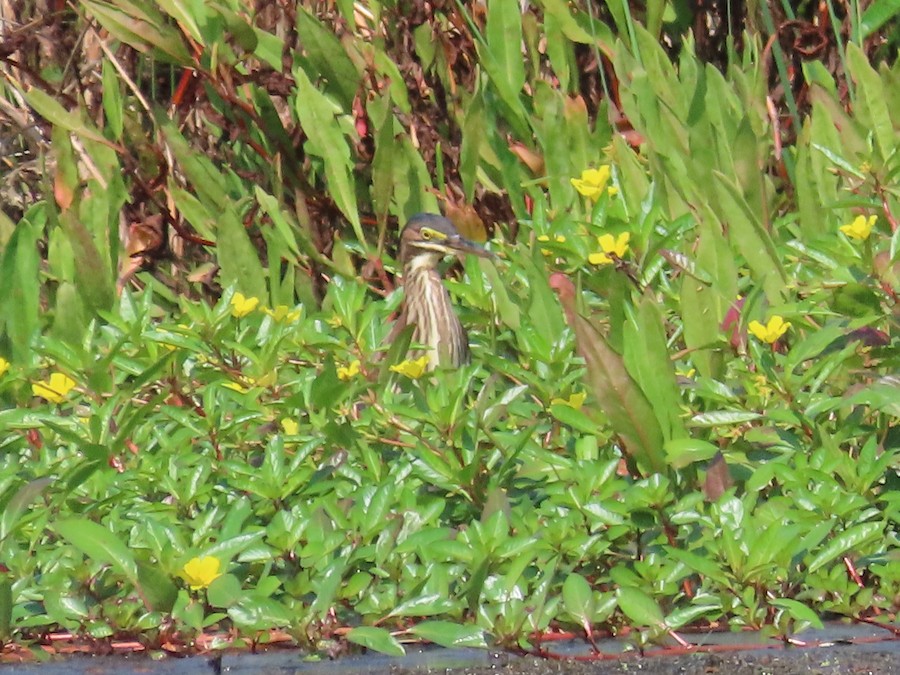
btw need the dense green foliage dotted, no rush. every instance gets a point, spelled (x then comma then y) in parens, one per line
(654, 451)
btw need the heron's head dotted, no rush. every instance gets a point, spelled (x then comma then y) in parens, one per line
(428, 237)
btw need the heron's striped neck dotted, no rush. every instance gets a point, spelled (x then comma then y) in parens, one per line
(429, 309)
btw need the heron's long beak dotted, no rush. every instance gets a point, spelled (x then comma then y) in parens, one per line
(462, 246)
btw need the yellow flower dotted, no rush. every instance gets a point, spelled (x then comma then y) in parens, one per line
(290, 426)
(559, 239)
(348, 372)
(241, 305)
(413, 369)
(574, 401)
(283, 313)
(860, 228)
(593, 183)
(54, 389)
(4, 365)
(609, 245)
(201, 572)
(236, 387)
(774, 329)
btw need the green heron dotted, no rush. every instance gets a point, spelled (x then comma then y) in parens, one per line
(425, 240)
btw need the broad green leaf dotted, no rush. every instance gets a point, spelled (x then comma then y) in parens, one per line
(629, 412)
(639, 607)
(239, 258)
(872, 106)
(849, 539)
(328, 58)
(6, 608)
(647, 360)
(224, 591)
(98, 543)
(158, 590)
(254, 612)
(425, 605)
(319, 117)
(723, 417)
(19, 278)
(683, 452)
(749, 237)
(142, 27)
(16, 506)
(448, 634)
(799, 612)
(52, 111)
(578, 599)
(378, 639)
(876, 15)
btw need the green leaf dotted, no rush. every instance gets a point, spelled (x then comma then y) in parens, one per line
(238, 257)
(872, 106)
(578, 599)
(574, 418)
(799, 612)
(723, 417)
(683, 452)
(448, 634)
(378, 639)
(254, 612)
(852, 538)
(112, 100)
(20, 281)
(6, 608)
(624, 404)
(318, 116)
(224, 591)
(502, 59)
(425, 605)
(142, 27)
(328, 58)
(159, 591)
(647, 359)
(17, 505)
(876, 15)
(639, 607)
(98, 543)
(749, 237)
(52, 111)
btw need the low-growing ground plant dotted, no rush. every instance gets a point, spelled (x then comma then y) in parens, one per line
(682, 406)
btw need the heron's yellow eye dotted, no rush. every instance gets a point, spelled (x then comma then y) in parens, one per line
(425, 232)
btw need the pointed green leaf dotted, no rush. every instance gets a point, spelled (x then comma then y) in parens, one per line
(378, 639)
(448, 634)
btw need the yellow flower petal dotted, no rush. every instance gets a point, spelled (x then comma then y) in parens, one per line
(593, 182)
(4, 365)
(55, 389)
(349, 371)
(574, 401)
(241, 305)
(283, 313)
(860, 228)
(290, 426)
(413, 369)
(610, 246)
(201, 572)
(771, 332)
